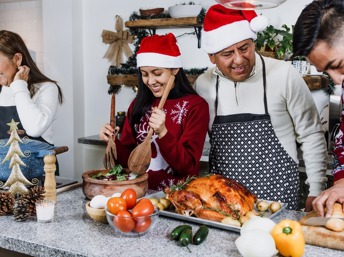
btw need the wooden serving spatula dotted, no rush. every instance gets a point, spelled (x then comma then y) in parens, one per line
(140, 157)
(110, 156)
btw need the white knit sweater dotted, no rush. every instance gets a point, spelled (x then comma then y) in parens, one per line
(290, 104)
(36, 114)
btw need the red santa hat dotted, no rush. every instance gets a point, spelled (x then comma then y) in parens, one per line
(159, 51)
(224, 27)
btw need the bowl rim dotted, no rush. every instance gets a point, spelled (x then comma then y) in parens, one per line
(86, 177)
(88, 207)
(151, 9)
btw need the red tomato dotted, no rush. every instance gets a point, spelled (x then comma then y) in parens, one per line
(129, 195)
(142, 225)
(116, 204)
(143, 207)
(124, 222)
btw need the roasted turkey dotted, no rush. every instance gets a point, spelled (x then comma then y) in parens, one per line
(213, 197)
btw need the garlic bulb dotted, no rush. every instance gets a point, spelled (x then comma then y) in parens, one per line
(256, 243)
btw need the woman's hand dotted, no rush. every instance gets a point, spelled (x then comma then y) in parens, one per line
(106, 131)
(157, 122)
(328, 197)
(22, 74)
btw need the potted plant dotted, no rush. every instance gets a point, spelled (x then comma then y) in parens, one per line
(275, 42)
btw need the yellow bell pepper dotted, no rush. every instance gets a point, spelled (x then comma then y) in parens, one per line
(289, 238)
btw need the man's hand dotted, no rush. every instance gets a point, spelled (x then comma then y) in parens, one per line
(328, 197)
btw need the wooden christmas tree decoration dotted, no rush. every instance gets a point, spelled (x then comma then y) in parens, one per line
(16, 181)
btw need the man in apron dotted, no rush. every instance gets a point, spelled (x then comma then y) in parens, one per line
(319, 35)
(259, 109)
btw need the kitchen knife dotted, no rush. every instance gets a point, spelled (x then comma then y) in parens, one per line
(317, 221)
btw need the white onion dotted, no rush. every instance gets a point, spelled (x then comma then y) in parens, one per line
(256, 243)
(265, 224)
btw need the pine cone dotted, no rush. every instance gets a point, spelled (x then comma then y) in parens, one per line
(20, 211)
(6, 203)
(35, 194)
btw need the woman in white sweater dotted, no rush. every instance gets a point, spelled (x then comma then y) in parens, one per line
(27, 97)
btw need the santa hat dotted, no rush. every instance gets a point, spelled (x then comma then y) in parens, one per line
(159, 51)
(224, 27)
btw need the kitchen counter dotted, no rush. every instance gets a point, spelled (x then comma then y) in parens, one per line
(74, 234)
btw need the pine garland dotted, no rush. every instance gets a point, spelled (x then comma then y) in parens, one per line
(130, 66)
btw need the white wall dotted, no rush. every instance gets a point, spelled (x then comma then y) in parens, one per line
(73, 55)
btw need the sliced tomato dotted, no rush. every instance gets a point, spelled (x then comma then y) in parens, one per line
(129, 195)
(116, 204)
(124, 221)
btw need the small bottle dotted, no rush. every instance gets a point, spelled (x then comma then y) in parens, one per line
(120, 117)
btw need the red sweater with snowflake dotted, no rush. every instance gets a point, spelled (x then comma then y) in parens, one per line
(176, 155)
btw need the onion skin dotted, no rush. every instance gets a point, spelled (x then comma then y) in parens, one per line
(256, 243)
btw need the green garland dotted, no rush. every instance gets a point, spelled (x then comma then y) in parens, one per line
(130, 66)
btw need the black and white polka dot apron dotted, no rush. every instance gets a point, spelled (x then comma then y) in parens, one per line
(244, 147)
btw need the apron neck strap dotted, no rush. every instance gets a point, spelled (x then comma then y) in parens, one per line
(217, 90)
(264, 85)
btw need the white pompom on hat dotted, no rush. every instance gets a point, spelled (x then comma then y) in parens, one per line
(224, 27)
(159, 51)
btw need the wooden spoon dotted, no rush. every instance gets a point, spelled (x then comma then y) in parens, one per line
(140, 157)
(110, 156)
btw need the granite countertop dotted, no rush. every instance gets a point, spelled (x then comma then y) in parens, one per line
(74, 234)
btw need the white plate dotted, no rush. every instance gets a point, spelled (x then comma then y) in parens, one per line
(175, 215)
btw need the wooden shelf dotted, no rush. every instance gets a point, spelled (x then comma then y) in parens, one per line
(152, 24)
(164, 22)
(313, 82)
(131, 79)
(127, 80)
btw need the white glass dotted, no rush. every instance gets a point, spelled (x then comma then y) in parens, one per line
(45, 210)
(250, 4)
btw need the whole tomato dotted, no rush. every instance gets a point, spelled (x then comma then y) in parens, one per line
(129, 195)
(123, 221)
(142, 225)
(143, 207)
(116, 204)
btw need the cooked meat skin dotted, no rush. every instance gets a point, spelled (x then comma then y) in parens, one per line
(212, 197)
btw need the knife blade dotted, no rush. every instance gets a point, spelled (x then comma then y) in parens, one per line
(318, 221)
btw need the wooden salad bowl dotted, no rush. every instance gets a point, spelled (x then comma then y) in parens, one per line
(92, 187)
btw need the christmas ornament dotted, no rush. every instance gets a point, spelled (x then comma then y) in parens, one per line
(118, 43)
(20, 211)
(34, 195)
(17, 180)
(6, 203)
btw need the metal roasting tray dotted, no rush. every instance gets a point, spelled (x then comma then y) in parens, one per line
(173, 214)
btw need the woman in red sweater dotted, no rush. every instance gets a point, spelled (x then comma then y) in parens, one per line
(179, 129)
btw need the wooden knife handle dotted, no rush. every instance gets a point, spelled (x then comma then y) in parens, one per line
(60, 149)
